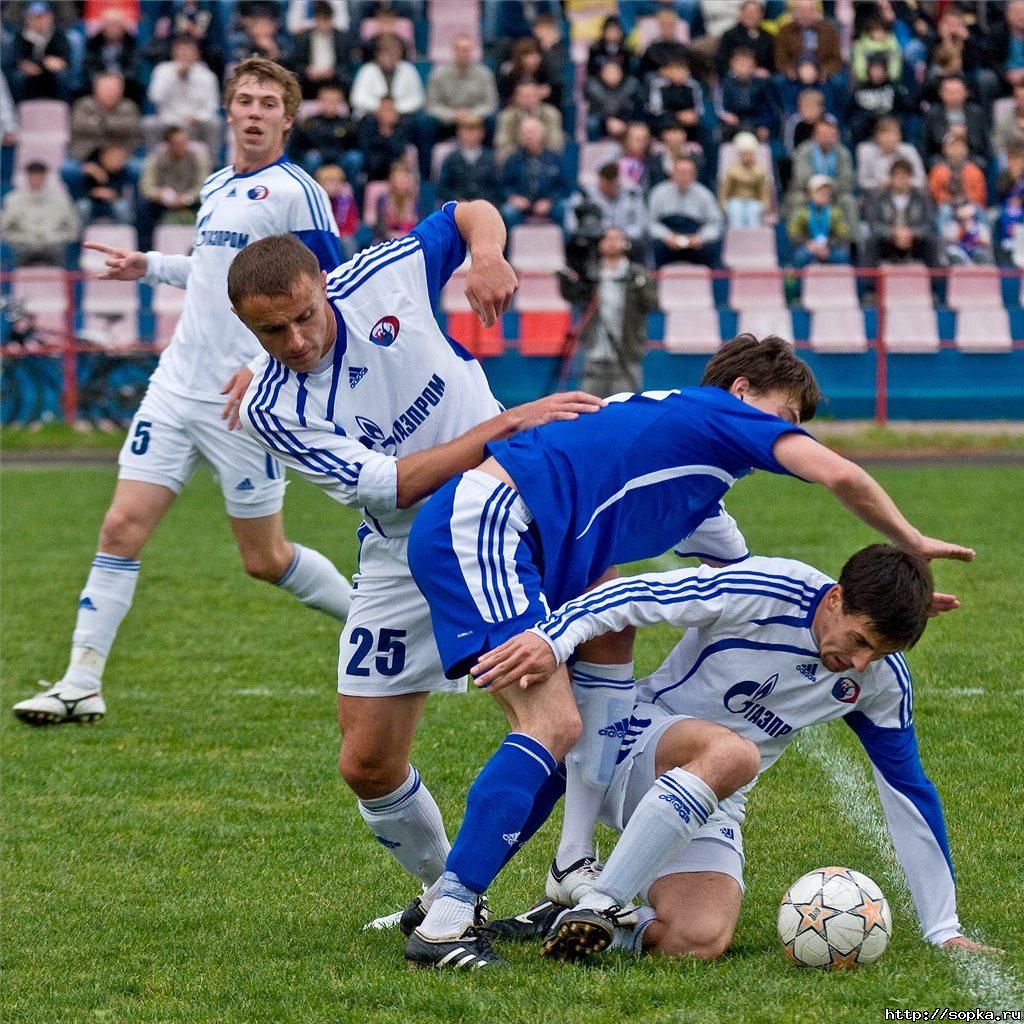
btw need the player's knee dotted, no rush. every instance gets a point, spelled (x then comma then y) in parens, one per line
(122, 533)
(567, 728)
(265, 564)
(744, 759)
(730, 761)
(368, 775)
(701, 941)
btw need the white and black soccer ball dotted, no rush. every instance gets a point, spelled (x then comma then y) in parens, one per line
(834, 917)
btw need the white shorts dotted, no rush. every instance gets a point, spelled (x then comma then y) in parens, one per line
(387, 645)
(717, 845)
(169, 436)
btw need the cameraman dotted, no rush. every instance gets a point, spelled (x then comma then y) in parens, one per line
(617, 295)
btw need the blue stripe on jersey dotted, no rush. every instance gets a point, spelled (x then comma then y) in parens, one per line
(379, 265)
(315, 214)
(363, 259)
(300, 397)
(728, 645)
(680, 553)
(319, 196)
(900, 670)
(229, 170)
(340, 345)
(498, 565)
(220, 184)
(481, 559)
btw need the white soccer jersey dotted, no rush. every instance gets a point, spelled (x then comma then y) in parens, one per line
(749, 661)
(210, 343)
(393, 384)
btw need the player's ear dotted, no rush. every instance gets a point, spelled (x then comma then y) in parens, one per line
(323, 280)
(739, 387)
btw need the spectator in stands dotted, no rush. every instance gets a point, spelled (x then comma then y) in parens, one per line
(873, 97)
(637, 163)
(954, 176)
(808, 35)
(328, 136)
(824, 154)
(344, 205)
(666, 44)
(322, 55)
(387, 75)
(8, 135)
(685, 219)
(967, 235)
(877, 40)
(674, 145)
(818, 229)
(526, 65)
(619, 205)
(261, 35)
(462, 89)
(613, 334)
(386, 20)
(901, 222)
(38, 222)
(112, 50)
(42, 54)
(788, 90)
(746, 101)
(1010, 194)
(396, 213)
(957, 112)
(744, 188)
(526, 103)
(186, 93)
(1009, 123)
(676, 99)
(533, 180)
(748, 34)
(876, 156)
(610, 48)
(383, 139)
(172, 176)
(469, 171)
(1006, 44)
(108, 187)
(612, 102)
(799, 127)
(201, 20)
(554, 52)
(102, 117)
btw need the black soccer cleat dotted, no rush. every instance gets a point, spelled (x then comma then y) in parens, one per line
(471, 951)
(415, 914)
(534, 923)
(579, 932)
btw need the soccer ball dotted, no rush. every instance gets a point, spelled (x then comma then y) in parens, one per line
(834, 917)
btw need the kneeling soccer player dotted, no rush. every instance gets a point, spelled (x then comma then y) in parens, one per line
(772, 646)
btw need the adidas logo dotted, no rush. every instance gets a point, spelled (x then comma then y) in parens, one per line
(511, 838)
(246, 485)
(231, 194)
(728, 833)
(87, 604)
(810, 671)
(388, 843)
(355, 375)
(615, 729)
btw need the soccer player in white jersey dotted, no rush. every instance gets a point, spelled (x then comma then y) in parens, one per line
(178, 423)
(772, 646)
(363, 393)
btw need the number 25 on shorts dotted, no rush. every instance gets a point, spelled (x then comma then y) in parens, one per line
(390, 657)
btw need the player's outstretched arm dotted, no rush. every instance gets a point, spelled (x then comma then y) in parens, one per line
(172, 269)
(863, 496)
(491, 281)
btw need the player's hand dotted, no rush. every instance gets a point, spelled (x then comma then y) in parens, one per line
(490, 285)
(564, 406)
(235, 389)
(962, 942)
(121, 265)
(942, 603)
(525, 659)
(930, 548)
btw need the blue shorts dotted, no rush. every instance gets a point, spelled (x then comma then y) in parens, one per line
(476, 559)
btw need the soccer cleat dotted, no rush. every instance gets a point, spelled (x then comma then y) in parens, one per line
(471, 951)
(569, 886)
(534, 923)
(415, 914)
(579, 932)
(59, 703)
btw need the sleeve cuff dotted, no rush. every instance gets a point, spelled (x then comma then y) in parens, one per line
(943, 932)
(551, 643)
(154, 264)
(378, 482)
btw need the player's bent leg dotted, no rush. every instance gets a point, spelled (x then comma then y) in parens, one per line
(135, 511)
(695, 914)
(721, 758)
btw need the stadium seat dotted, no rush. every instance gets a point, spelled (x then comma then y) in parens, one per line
(174, 239)
(756, 290)
(973, 287)
(594, 155)
(439, 154)
(543, 332)
(539, 292)
(449, 19)
(750, 248)
(453, 295)
(828, 286)
(116, 236)
(906, 284)
(165, 324)
(465, 327)
(985, 329)
(401, 27)
(692, 330)
(683, 286)
(762, 322)
(111, 311)
(40, 290)
(536, 247)
(910, 330)
(49, 149)
(371, 197)
(44, 117)
(838, 330)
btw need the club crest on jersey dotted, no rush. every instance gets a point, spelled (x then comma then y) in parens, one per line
(258, 192)
(846, 689)
(385, 331)
(375, 438)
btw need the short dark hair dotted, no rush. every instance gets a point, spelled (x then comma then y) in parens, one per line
(902, 164)
(172, 129)
(323, 9)
(893, 587)
(36, 167)
(272, 266)
(609, 171)
(769, 364)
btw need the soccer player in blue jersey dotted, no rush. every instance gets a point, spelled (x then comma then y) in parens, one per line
(178, 424)
(545, 517)
(772, 646)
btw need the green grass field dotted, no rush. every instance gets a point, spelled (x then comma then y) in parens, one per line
(194, 857)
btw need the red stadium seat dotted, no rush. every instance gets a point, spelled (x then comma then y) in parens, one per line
(838, 330)
(828, 286)
(972, 287)
(984, 329)
(693, 330)
(120, 298)
(543, 332)
(750, 248)
(906, 284)
(594, 155)
(762, 322)
(756, 290)
(910, 330)
(41, 290)
(683, 286)
(536, 247)
(483, 342)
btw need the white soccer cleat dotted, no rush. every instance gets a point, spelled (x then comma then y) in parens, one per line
(62, 702)
(570, 885)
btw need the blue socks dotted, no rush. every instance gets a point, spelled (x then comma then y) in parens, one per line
(543, 804)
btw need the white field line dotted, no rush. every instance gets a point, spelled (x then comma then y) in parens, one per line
(994, 985)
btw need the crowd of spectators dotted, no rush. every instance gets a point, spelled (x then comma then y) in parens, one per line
(867, 131)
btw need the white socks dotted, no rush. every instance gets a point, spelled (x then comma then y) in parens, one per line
(604, 695)
(631, 938)
(672, 810)
(452, 912)
(408, 822)
(102, 605)
(315, 581)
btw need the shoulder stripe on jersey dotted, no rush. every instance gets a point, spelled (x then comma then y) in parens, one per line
(355, 285)
(315, 215)
(300, 397)
(344, 285)
(229, 170)
(337, 276)
(900, 670)
(319, 195)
